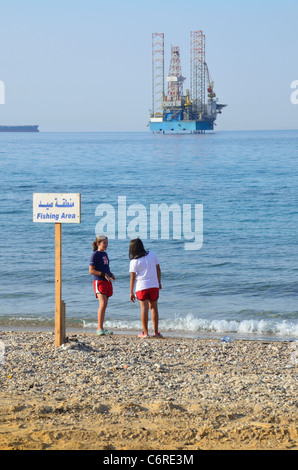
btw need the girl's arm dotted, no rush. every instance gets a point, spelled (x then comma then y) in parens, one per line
(132, 285)
(94, 272)
(158, 275)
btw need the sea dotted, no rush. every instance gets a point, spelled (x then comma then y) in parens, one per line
(239, 280)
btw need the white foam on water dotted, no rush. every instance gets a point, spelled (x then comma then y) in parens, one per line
(190, 325)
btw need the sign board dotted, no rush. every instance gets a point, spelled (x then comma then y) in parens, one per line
(57, 207)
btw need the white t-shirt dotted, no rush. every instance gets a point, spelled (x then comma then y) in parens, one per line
(145, 269)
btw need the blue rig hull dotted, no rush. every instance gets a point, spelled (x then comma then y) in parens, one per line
(181, 126)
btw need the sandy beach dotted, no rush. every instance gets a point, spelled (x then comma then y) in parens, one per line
(125, 393)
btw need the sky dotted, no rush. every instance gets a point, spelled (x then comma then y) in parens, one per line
(73, 66)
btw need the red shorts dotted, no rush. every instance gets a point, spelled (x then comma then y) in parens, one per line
(103, 287)
(152, 294)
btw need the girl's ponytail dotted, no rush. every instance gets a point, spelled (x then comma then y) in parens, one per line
(94, 245)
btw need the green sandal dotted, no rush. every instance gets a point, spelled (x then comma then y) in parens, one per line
(104, 332)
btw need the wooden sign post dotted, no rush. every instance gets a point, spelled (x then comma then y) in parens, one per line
(59, 336)
(58, 208)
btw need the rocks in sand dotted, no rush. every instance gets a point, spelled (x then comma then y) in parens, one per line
(216, 384)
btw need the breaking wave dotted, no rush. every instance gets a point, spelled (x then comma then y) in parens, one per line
(190, 325)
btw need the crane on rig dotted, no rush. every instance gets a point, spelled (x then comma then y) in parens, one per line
(210, 86)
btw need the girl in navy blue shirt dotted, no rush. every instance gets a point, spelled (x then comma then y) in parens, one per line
(102, 279)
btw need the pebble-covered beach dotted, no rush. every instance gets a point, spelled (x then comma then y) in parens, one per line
(123, 393)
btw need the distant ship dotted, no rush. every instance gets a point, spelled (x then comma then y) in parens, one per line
(19, 129)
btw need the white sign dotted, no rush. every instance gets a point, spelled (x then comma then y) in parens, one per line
(57, 208)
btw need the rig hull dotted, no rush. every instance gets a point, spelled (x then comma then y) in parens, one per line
(181, 126)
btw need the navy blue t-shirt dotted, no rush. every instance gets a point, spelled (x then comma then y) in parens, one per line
(100, 261)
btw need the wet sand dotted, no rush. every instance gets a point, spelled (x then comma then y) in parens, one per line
(125, 393)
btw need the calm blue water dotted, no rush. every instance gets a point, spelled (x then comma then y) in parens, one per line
(244, 279)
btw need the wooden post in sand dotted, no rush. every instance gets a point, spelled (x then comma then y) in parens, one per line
(59, 327)
(58, 208)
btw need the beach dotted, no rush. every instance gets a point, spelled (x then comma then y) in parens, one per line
(125, 393)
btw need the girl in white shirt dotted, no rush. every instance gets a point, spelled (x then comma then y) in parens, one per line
(145, 275)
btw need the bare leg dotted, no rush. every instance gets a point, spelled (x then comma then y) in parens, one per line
(154, 315)
(103, 302)
(144, 315)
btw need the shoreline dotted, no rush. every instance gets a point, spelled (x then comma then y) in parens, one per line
(125, 393)
(177, 334)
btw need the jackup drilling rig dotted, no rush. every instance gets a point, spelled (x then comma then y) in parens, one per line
(175, 111)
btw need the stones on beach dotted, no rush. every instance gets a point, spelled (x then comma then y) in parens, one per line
(216, 387)
(75, 346)
(159, 368)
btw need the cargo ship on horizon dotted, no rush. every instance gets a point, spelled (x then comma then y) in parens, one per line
(33, 128)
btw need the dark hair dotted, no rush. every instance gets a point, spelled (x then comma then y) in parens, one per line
(136, 249)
